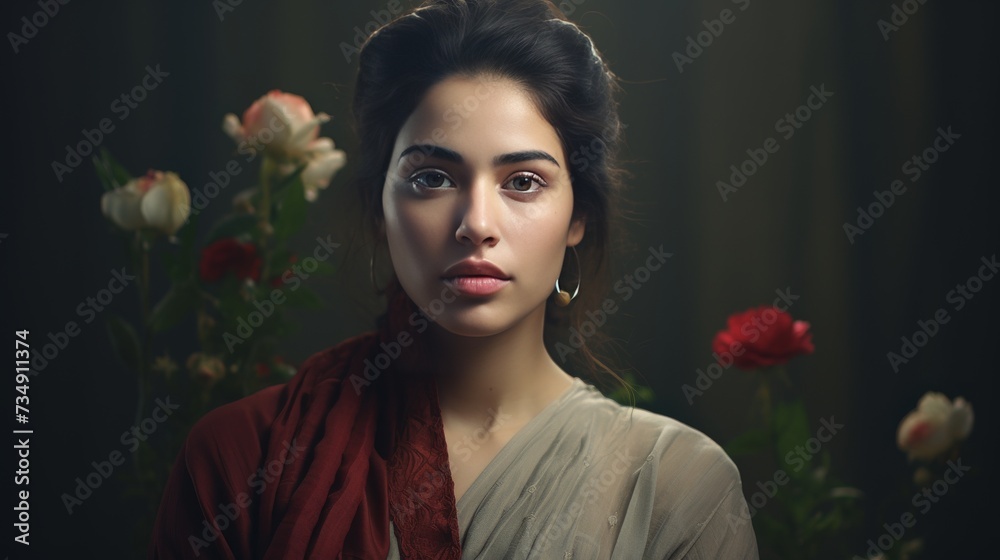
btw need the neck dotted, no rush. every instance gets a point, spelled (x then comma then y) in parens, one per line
(508, 375)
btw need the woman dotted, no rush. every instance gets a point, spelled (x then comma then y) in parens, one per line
(450, 431)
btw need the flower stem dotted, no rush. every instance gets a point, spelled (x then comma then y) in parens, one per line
(267, 170)
(764, 397)
(141, 255)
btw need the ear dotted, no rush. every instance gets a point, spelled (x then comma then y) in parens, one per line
(576, 231)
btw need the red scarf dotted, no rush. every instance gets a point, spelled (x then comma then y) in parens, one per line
(317, 467)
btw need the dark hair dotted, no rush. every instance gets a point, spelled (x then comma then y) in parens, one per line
(532, 44)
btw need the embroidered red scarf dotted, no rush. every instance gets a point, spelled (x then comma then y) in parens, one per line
(317, 467)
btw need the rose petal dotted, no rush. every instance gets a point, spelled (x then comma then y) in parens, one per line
(320, 169)
(124, 208)
(167, 205)
(232, 127)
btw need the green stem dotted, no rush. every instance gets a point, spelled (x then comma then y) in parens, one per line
(267, 170)
(764, 396)
(141, 261)
(141, 258)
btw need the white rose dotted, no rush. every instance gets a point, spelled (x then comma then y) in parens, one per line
(158, 201)
(935, 426)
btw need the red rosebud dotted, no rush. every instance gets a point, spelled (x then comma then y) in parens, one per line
(229, 255)
(766, 336)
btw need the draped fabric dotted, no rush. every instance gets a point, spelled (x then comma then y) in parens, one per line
(348, 460)
(309, 469)
(590, 479)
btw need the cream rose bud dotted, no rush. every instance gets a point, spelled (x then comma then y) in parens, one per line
(281, 124)
(934, 426)
(324, 160)
(157, 200)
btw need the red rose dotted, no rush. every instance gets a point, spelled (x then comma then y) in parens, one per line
(764, 336)
(229, 255)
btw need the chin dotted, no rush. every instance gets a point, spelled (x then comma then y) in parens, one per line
(470, 322)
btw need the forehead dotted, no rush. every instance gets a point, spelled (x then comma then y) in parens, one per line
(479, 118)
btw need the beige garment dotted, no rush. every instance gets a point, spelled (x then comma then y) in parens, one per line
(588, 478)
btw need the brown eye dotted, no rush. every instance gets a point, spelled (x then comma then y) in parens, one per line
(430, 180)
(523, 183)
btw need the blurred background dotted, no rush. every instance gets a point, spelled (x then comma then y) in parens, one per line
(692, 111)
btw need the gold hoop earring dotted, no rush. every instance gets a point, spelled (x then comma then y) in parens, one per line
(563, 297)
(371, 269)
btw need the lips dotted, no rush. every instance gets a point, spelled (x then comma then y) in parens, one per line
(470, 267)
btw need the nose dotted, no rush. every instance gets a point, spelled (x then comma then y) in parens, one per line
(478, 212)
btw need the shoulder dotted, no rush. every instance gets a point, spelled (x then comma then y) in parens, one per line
(234, 429)
(698, 495)
(674, 446)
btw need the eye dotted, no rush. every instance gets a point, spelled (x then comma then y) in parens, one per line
(522, 182)
(430, 179)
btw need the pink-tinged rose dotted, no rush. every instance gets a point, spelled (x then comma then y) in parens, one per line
(764, 336)
(934, 427)
(282, 124)
(158, 201)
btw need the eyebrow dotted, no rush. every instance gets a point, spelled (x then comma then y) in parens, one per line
(502, 159)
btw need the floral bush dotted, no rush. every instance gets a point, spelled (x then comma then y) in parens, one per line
(804, 510)
(217, 281)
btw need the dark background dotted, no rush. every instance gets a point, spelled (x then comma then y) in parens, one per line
(782, 229)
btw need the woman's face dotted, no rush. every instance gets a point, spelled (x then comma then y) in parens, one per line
(478, 174)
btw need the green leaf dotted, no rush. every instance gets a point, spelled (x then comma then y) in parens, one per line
(179, 301)
(111, 173)
(125, 342)
(232, 226)
(287, 180)
(750, 441)
(292, 211)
